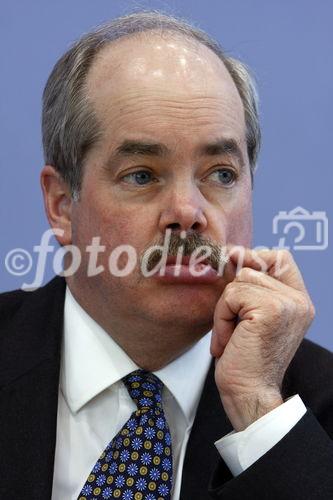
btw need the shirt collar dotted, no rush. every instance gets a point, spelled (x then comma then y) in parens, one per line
(92, 361)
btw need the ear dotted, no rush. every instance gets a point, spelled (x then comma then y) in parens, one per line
(57, 202)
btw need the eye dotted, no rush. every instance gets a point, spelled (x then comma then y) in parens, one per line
(140, 177)
(224, 176)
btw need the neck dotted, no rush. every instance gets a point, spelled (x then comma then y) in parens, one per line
(165, 340)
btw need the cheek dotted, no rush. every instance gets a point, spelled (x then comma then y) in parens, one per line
(114, 229)
(239, 224)
(114, 224)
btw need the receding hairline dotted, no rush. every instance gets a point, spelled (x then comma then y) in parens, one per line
(69, 125)
(106, 53)
(150, 35)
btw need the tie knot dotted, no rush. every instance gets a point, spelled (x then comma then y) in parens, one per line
(145, 389)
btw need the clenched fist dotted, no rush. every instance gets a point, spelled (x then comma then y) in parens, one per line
(259, 322)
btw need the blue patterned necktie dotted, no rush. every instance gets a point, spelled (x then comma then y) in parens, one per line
(137, 464)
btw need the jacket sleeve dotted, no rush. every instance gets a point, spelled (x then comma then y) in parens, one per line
(298, 467)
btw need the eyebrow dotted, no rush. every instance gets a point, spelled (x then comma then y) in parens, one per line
(133, 148)
(222, 147)
(130, 148)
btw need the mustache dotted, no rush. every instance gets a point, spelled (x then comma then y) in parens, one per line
(190, 243)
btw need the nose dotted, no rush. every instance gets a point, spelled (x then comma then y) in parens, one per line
(184, 209)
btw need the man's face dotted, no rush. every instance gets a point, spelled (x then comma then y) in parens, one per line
(179, 96)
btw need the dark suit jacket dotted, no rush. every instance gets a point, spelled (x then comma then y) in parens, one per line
(300, 466)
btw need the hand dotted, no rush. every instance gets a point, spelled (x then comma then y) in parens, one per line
(259, 322)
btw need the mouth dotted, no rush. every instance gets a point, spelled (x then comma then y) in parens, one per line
(187, 270)
(186, 261)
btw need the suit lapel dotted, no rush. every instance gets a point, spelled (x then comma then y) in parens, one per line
(28, 399)
(29, 380)
(201, 456)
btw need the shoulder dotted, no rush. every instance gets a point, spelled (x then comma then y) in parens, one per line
(30, 328)
(10, 303)
(15, 302)
(311, 365)
(310, 375)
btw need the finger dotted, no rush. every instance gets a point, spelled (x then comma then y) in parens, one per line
(227, 269)
(247, 301)
(225, 320)
(278, 264)
(221, 337)
(251, 276)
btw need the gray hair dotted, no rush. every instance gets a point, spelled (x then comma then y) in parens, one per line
(69, 124)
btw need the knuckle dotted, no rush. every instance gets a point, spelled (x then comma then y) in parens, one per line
(312, 309)
(285, 256)
(277, 308)
(244, 274)
(285, 253)
(305, 307)
(228, 290)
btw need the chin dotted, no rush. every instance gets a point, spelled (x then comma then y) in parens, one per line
(190, 311)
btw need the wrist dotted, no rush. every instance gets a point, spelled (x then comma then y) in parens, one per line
(244, 409)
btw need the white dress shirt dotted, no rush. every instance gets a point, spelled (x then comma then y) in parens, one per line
(94, 404)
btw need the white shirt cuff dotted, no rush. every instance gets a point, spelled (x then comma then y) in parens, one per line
(239, 450)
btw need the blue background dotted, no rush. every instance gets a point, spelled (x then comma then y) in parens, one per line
(288, 44)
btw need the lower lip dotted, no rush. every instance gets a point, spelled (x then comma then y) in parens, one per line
(183, 274)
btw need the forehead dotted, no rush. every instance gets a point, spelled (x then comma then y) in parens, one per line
(153, 81)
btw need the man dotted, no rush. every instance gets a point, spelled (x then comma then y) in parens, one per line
(149, 130)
